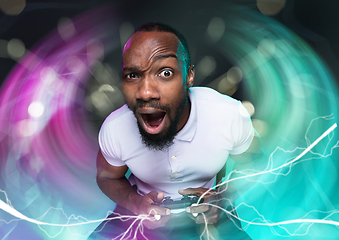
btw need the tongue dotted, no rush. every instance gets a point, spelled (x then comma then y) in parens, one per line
(154, 120)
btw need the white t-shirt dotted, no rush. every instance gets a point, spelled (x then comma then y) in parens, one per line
(218, 125)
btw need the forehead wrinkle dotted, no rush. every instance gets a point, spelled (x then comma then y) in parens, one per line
(164, 48)
(158, 53)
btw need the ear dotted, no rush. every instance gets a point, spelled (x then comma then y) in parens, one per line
(190, 76)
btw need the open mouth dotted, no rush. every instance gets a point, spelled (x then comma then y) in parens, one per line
(153, 122)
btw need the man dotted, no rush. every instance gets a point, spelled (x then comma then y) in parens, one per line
(173, 138)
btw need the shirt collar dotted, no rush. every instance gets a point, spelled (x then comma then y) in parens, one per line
(188, 131)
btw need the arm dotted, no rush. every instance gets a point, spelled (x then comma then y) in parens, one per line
(246, 164)
(112, 182)
(221, 174)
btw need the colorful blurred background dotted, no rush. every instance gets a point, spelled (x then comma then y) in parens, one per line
(60, 74)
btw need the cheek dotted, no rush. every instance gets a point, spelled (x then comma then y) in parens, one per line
(128, 95)
(176, 90)
(173, 98)
(127, 90)
(176, 97)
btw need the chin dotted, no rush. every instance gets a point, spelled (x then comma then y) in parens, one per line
(157, 142)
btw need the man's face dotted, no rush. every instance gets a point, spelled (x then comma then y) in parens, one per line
(154, 87)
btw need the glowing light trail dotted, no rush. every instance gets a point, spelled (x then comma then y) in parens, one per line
(7, 208)
(277, 168)
(4, 206)
(300, 220)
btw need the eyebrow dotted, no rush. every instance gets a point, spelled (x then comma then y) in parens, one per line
(164, 56)
(156, 58)
(132, 69)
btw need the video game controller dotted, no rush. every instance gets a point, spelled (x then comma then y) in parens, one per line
(186, 201)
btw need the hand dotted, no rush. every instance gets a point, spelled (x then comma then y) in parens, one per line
(158, 216)
(212, 214)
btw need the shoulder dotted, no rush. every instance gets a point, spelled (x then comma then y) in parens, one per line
(115, 132)
(118, 117)
(118, 122)
(211, 97)
(221, 110)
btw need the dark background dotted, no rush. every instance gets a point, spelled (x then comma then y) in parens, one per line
(314, 20)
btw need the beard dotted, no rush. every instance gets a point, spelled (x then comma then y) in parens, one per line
(163, 140)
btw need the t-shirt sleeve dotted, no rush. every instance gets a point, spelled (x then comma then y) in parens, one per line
(242, 131)
(108, 146)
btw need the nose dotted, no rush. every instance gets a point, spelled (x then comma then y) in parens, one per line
(147, 90)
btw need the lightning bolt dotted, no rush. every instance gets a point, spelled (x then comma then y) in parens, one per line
(290, 163)
(265, 222)
(138, 220)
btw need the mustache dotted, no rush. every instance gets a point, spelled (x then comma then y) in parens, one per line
(156, 105)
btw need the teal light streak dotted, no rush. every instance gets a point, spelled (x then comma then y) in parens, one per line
(289, 86)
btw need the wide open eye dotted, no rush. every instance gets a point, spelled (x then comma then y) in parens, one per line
(166, 73)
